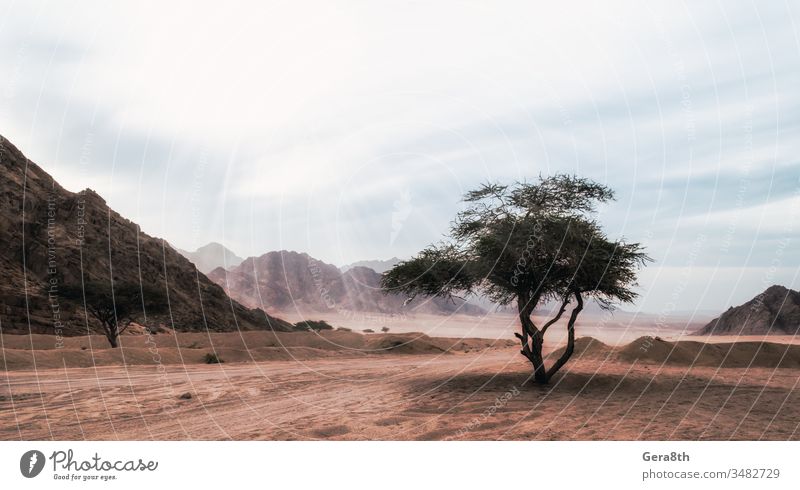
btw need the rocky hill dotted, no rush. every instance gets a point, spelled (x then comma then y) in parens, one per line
(53, 239)
(775, 311)
(296, 282)
(379, 266)
(210, 256)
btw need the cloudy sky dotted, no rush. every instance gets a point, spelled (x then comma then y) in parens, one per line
(350, 131)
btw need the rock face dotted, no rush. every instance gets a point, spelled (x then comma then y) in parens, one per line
(775, 311)
(210, 256)
(296, 282)
(53, 239)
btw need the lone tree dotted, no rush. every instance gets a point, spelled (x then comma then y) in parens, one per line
(530, 243)
(116, 308)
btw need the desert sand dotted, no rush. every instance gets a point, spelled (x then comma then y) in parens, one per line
(341, 385)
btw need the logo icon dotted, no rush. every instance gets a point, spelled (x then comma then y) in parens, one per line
(31, 463)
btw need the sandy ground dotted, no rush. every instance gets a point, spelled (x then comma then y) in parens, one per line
(617, 327)
(663, 391)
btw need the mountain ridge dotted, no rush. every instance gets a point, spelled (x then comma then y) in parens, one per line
(293, 281)
(379, 266)
(54, 239)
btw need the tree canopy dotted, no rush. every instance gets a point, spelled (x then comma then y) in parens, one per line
(529, 243)
(116, 308)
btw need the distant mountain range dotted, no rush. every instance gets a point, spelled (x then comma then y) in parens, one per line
(379, 266)
(296, 282)
(210, 256)
(53, 239)
(775, 311)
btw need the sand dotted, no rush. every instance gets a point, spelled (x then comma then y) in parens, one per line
(41, 352)
(356, 388)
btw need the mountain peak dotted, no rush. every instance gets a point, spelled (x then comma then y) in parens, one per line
(211, 256)
(774, 311)
(379, 266)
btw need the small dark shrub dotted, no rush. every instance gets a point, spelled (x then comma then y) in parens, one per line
(312, 325)
(212, 358)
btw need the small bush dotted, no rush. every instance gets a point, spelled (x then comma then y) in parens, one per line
(312, 325)
(212, 358)
(385, 329)
(368, 330)
(344, 329)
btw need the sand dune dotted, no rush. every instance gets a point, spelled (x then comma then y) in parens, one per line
(654, 350)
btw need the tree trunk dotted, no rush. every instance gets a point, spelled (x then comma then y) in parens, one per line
(539, 373)
(570, 338)
(531, 338)
(112, 336)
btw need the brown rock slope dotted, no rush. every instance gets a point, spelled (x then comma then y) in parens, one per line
(53, 238)
(291, 281)
(775, 311)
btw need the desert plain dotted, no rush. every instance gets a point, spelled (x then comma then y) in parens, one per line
(401, 385)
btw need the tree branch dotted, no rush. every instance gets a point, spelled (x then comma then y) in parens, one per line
(570, 337)
(558, 316)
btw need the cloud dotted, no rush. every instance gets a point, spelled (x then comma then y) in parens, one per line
(301, 124)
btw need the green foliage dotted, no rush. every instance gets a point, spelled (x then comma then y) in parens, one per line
(530, 241)
(312, 325)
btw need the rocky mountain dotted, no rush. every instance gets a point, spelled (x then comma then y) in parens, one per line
(210, 256)
(54, 240)
(379, 266)
(775, 311)
(296, 282)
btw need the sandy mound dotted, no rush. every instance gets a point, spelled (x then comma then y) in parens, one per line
(585, 348)
(192, 348)
(727, 355)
